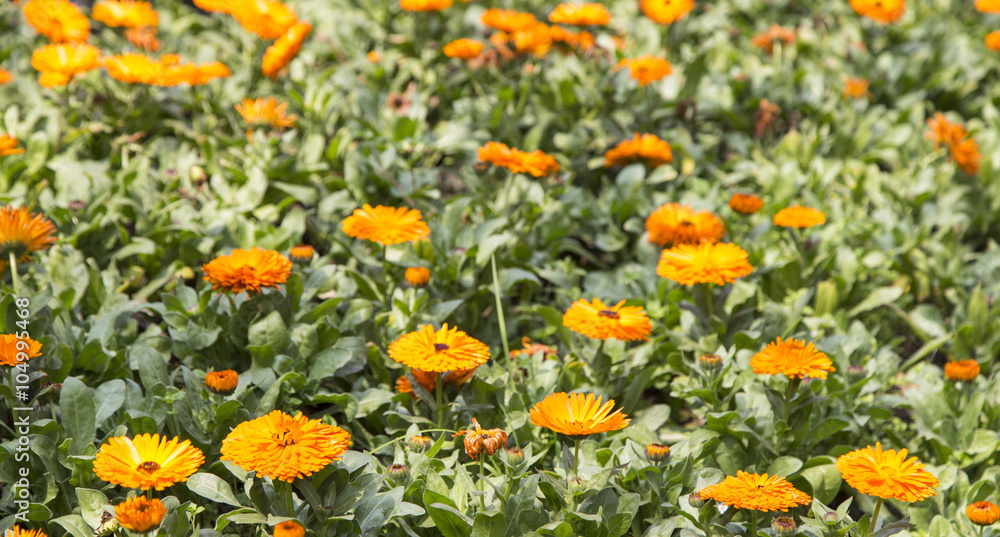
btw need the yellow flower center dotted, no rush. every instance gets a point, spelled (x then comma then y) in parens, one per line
(441, 347)
(148, 467)
(285, 438)
(609, 314)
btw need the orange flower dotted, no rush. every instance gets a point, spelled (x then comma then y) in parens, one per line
(18, 531)
(962, 370)
(147, 461)
(746, 204)
(535, 163)
(386, 225)
(127, 13)
(302, 253)
(264, 112)
(674, 223)
(983, 513)
(508, 20)
(140, 514)
(428, 379)
(222, 382)
(5, 77)
(774, 33)
(646, 147)
(531, 349)
(756, 492)
(580, 14)
(988, 6)
(11, 346)
(944, 132)
(536, 39)
(247, 270)
(133, 68)
(289, 528)
(966, 155)
(424, 5)
(884, 11)
(463, 49)
(800, 217)
(269, 19)
(577, 414)
(666, 11)
(993, 39)
(58, 20)
(206, 72)
(219, 6)
(792, 358)
(718, 263)
(477, 440)
(646, 69)
(598, 320)
(887, 474)
(439, 350)
(374, 56)
(581, 40)
(60, 63)
(284, 49)
(417, 276)
(144, 38)
(856, 88)
(8, 146)
(22, 232)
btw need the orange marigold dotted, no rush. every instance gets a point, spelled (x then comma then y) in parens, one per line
(248, 270)
(800, 217)
(887, 474)
(284, 49)
(386, 225)
(269, 19)
(222, 382)
(8, 146)
(966, 155)
(666, 11)
(144, 38)
(855, 88)
(961, 370)
(674, 223)
(508, 20)
(417, 276)
(536, 39)
(289, 528)
(580, 14)
(140, 514)
(58, 20)
(21, 232)
(792, 358)
(944, 132)
(127, 13)
(598, 320)
(428, 379)
(463, 49)
(746, 204)
(993, 39)
(983, 513)
(774, 33)
(11, 346)
(18, 531)
(60, 63)
(264, 112)
(424, 5)
(5, 77)
(756, 492)
(988, 6)
(884, 11)
(577, 414)
(646, 69)
(535, 163)
(718, 263)
(647, 147)
(437, 351)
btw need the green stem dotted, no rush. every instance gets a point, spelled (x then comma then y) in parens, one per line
(438, 394)
(753, 524)
(286, 499)
(576, 457)
(500, 316)
(389, 287)
(706, 291)
(13, 275)
(479, 486)
(599, 358)
(878, 507)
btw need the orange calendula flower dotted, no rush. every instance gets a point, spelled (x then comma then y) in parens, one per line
(247, 270)
(647, 147)
(856, 88)
(792, 358)
(428, 379)
(206, 72)
(302, 253)
(463, 49)
(60, 63)
(8, 146)
(218, 6)
(961, 370)
(140, 514)
(418, 276)
(487, 441)
(536, 39)
(646, 69)
(438, 351)
(222, 382)
(577, 414)
(284, 448)
(269, 19)
(580, 40)
(127, 13)
(147, 461)
(580, 14)
(757, 492)
(386, 225)
(58, 20)
(718, 263)
(993, 40)
(746, 204)
(666, 11)
(531, 349)
(598, 320)
(884, 11)
(673, 224)
(800, 217)
(133, 68)
(988, 6)
(887, 474)
(535, 163)
(424, 5)
(767, 39)
(944, 132)
(983, 513)
(144, 38)
(374, 56)
(22, 233)
(284, 49)
(289, 528)
(508, 20)
(5, 77)
(11, 346)
(265, 113)
(18, 531)
(966, 155)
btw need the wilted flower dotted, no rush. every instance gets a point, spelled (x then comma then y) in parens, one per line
(531, 349)
(478, 440)
(774, 33)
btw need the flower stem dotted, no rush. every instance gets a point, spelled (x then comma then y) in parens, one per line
(500, 317)
(438, 394)
(599, 358)
(13, 275)
(286, 499)
(753, 524)
(576, 455)
(706, 292)
(389, 287)
(878, 507)
(482, 497)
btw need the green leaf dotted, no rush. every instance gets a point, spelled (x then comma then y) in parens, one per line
(877, 298)
(75, 525)
(449, 521)
(77, 407)
(108, 398)
(489, 525)
(92, 505)
(152, 369)
(212, 487)
(374, 511)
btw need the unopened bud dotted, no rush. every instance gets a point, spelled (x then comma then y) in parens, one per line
(419, 444)
(831, 518)
(576, 484)
(657, 452)
(515, 456)
(784, 526)
(398, 472)
(710, 361)
(696, 500)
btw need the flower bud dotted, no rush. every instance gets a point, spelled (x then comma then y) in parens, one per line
(302, 253)
(784, 526)
(657, 452)
(419, 444)
(710, 361)
(515, 456)
(696, 500)
(856, 372)
(827, 298)
(398, 472)
(831, 518)
(576, 484)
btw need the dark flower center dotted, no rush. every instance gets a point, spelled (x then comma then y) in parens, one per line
(609, 314)
(148, 467)
(441, 347)
(285, 438)
(484, 436)
(686, 223)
